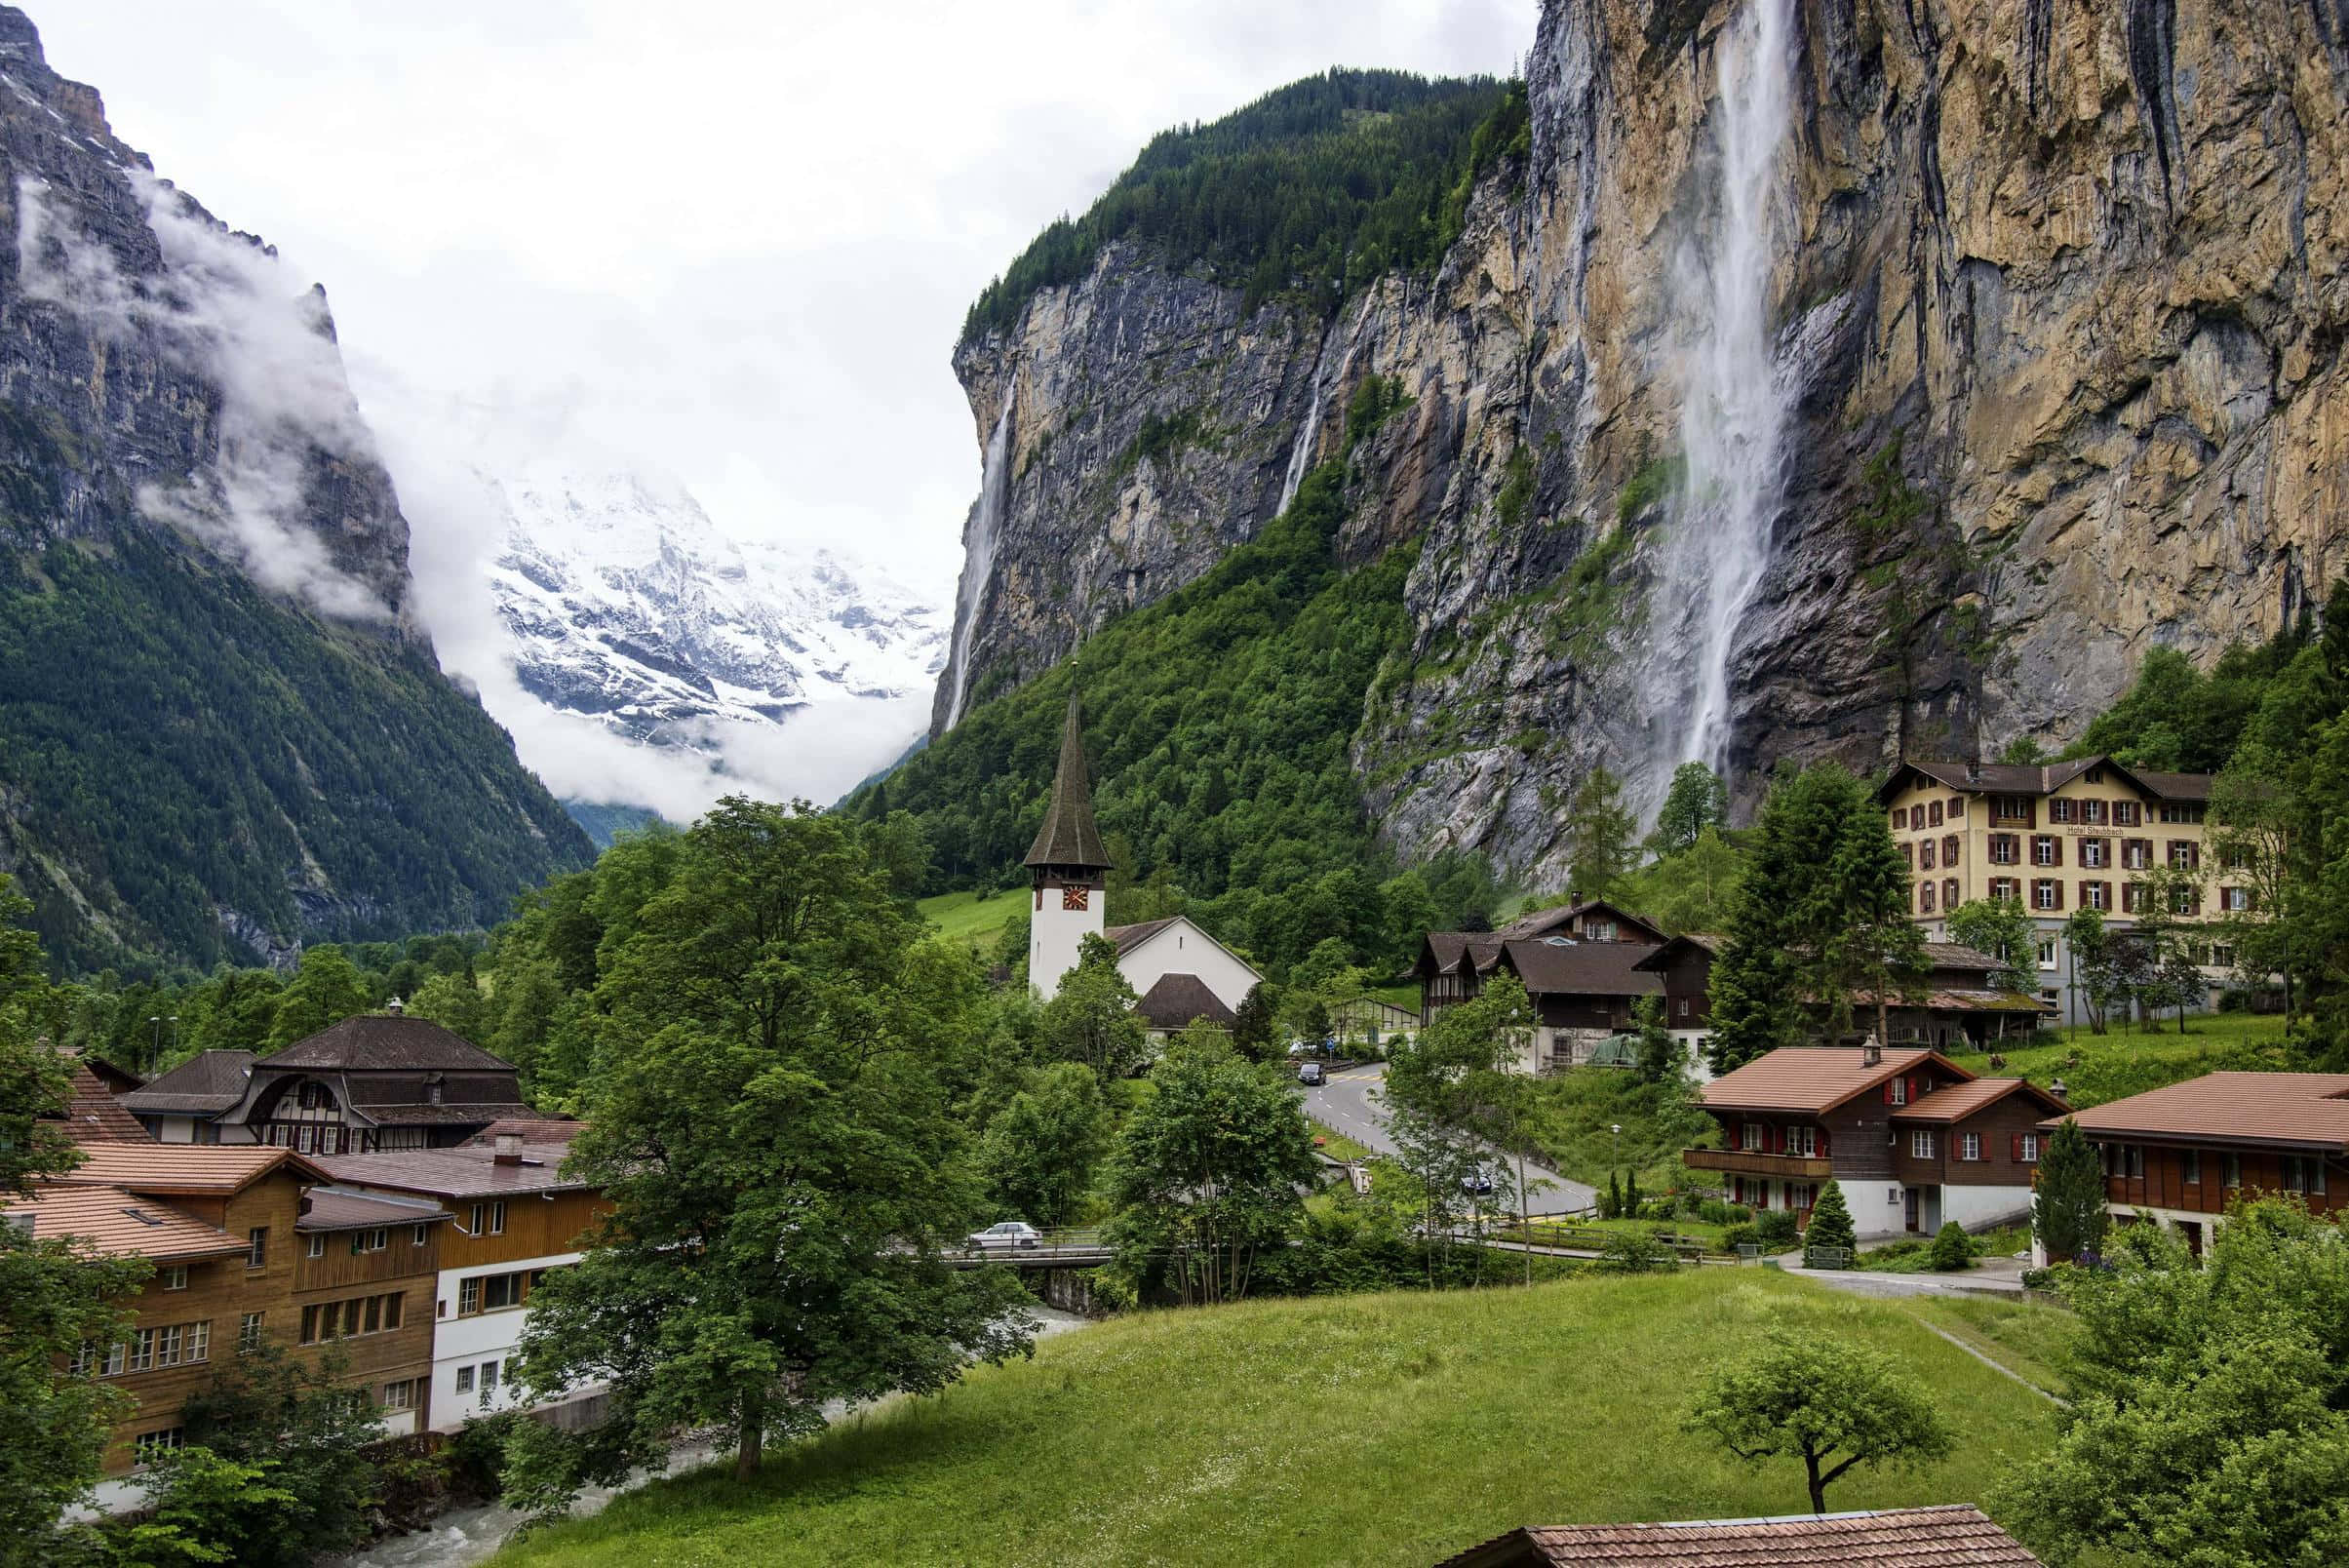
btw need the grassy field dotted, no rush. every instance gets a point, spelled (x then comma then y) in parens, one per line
(972, 917)
(1337, 1145)
(1363, 1430)
(2022, 1336)
(2123, 1061)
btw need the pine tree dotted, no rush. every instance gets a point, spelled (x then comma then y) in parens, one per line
(1599, 831)
(1830, 1222)
(1632, 1196)
(1252, 1025)
(1611, 1206)
(1952, 1248)
(2067, 1210)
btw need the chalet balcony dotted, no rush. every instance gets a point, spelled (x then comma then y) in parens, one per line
(1746, 1162)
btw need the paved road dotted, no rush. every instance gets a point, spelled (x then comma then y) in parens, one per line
(1351, 1103)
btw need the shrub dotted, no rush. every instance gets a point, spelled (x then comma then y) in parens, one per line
(1952, 1248)
(1775, 1227)
(476, 1457)
(1738, 1236)
(1635, 1252)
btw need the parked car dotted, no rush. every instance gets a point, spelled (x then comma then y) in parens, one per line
(1008, 1234)
(1478, 1182)
(1311, 1075)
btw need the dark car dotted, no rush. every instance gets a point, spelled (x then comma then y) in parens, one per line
(1478, 1182)
(1311, 1075)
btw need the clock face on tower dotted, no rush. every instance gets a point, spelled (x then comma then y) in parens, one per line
(1074, 897)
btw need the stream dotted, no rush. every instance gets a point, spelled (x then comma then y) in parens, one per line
(465, 1535)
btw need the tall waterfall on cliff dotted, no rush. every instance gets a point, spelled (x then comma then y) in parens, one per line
(1736, 399)
(1301, 456)
(978, 552)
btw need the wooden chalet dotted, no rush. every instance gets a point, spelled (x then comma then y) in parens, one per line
(1915, 1139)
(2178, 1156)
(1577, 963)
(1958, 1003)
(372, 1081)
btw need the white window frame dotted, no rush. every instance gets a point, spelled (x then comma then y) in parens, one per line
(1970, 1146)
(172, 1276)
(1920, 1143)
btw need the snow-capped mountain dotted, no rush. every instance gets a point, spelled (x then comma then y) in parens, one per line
(628, 606)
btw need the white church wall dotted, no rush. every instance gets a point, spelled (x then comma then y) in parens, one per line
(1182, 948)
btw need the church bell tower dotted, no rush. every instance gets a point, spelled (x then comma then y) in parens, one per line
(1067, 868)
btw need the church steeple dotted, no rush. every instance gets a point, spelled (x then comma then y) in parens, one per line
(1068, 868)
(1068, 838)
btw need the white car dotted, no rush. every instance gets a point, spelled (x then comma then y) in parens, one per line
(1009, 1234)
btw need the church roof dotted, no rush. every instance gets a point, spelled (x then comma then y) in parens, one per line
(1178, 1000)
(1069, 835)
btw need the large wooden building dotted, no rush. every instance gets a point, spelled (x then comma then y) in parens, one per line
(2178, 1156)
(372, 1081)
(1959, 1002)
(1914, 1139)
(1579, 963)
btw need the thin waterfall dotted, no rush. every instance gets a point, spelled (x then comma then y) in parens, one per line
(1300, 457)
(1736, 404)
(978, 552)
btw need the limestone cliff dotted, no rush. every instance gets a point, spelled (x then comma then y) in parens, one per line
(2073, 270)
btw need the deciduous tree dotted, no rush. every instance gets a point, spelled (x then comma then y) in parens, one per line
(1091, 1018)
(1041, 1150)
(1695, 800)
(1830, 1404)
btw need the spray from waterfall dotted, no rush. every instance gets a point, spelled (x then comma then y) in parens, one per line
(978, 552)
(1734, 406)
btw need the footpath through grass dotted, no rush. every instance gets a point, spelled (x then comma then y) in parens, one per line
(1363, 1430)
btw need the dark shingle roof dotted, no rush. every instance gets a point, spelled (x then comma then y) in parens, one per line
(1127, 938)
(385, 1043)
(332, 1209)
(2045, 778)
(1953, 1536)
(206, 1082)
(1583, 969)
(1179, 1000)
(1069, 835)
(1958, 956)
(467, 1171)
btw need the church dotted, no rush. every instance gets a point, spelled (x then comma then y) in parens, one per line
(1181, 973)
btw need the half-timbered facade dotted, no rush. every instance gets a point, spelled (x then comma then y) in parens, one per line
(1914, 1139)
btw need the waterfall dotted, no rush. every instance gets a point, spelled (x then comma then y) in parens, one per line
(1736, 399)
(978, 553)
(1300, 457)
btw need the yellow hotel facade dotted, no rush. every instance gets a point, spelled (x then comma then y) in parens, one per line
(2057, 838)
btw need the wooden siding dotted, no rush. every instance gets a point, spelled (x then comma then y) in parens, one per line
(2164, 1184)
(1688, 990)
(1998, 1124)
(339, 1271)
(536, 1227)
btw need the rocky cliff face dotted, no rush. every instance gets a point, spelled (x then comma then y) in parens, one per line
(2071, 274)
(221, 735)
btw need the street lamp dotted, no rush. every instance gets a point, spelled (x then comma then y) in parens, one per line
(155, 1023)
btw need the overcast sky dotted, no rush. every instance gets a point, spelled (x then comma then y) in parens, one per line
(730, 240)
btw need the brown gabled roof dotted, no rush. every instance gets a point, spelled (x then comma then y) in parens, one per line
(334, 1209)
(466, 1171)
(1814, 1077)
(532, 1128)
(383, 1043)
(1069, 835)
(2042, 778)
(2284, 1109)
(1179, 1000)
(1553, 968)
(216, 1170)
(1660, 958)
(118, 1223)
(207, 1083)
(93, 1115)
(1959, 1101)
(1543, 921)
(1127, 938)
(1953, 1536)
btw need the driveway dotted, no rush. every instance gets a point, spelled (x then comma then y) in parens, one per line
(1352, 1103)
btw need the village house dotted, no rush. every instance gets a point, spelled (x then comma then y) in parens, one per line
(220, 1226)
(1181, 973)
(372, 1081)
(1579, 963)
(1915, 1140)
(1958, 1003)
(2178, 1155)
(1949, 1536)
(2055, 837)
(92, 1113)
(364, 1280)
(513, 1216)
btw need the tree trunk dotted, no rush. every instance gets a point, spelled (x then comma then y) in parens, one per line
(1818, 1487)
(1884, 1028)
(753, 1437)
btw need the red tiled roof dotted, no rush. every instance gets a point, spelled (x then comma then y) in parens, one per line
(119, 1224)
(1814, 1077)
(531, 1130)
(1959, 1101)
(1953, 1536)
(93, 1115)
(2305, 1109)
(195, 1170)
(466, 1171)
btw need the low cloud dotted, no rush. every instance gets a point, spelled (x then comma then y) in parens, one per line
(225, 311)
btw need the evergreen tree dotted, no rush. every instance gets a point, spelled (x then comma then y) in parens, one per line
(1599, 834)
(1695, 800)
(2068, 1216)
(1662, 1058)
(1952, 1248)
(1252, 1026)
(1631, 1195)
(1832, 1221)
(1611, 1206)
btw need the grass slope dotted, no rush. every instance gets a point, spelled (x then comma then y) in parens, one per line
(972, 917)
(1368, 1429)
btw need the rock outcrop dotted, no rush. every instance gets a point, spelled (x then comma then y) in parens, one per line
(2071, 276)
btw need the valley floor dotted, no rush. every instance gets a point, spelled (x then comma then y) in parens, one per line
(1366, 1430)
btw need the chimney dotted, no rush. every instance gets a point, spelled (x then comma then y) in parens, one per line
(509, 1149)
(1871, 1054)
(394, 1007)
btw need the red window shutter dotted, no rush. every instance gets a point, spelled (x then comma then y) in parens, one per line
(1823, 1143)
(2014, 1150)
(1888, 1091)
(1912, 1091)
